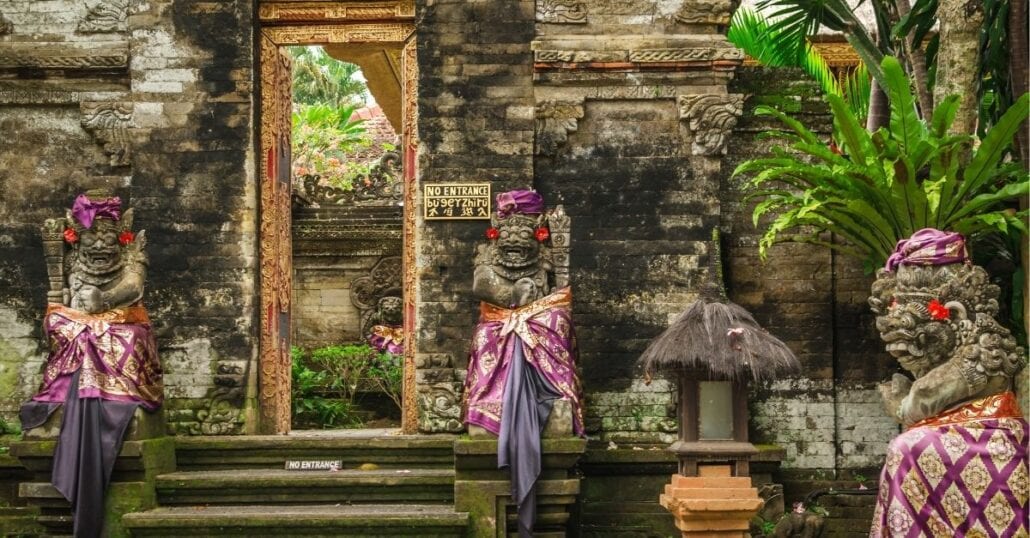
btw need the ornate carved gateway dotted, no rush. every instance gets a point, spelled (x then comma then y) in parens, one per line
(300, 23)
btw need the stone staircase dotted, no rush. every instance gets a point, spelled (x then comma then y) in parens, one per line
(390, 485)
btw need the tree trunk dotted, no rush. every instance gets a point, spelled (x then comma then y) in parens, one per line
(879, 108)
(1018, 75)
(1018, 60)
(958, 59)
(917, 62)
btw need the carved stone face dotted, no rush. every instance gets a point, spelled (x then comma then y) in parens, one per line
(99, 252)
(517, 247)
(917, 341)
(390, 309)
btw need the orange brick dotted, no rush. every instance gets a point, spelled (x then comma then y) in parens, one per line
(714, 470)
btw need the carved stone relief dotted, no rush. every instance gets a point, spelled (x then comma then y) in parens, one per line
(105, 16)
(382, 186)
(67, 56)
(369, 292)
(440, 388)
(222, 415)
(554, 121)
(710, 118)
(561, 11)
(707, 11)
(109, 124)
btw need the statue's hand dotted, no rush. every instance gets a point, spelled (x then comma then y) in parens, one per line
(523, 292)
(88, 299)
(893, 392)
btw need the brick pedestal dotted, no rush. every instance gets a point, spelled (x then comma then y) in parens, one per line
(711, 507)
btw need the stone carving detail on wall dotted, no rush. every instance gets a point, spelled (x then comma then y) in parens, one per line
(382, 186)
(707, 11)
(561, 11)
(554, 121)
(222, 415)
(719, 56)
(350, 33)
(326, 11)
(109, 124)
(6, 26)
(710, 118)
(440, 389)
(378, 295)
(105, 17)
(92, 56)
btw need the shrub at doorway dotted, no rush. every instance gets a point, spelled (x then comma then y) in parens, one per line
(327, 380)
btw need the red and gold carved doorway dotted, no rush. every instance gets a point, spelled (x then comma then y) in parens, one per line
(349, 29)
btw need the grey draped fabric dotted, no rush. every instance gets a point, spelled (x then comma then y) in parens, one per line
(528, 399)
(92, 433)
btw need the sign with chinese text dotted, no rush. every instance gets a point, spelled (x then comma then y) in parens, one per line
(447, 201)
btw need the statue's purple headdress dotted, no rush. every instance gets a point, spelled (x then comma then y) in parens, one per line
(929, 247)
(520, 202)
(85, 210)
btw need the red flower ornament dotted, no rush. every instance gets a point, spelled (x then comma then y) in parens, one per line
(938, 312)
(542, 234)
(71, 236)
(492, 233)
(126, 237)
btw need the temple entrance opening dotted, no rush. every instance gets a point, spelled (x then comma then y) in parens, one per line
(346, 323)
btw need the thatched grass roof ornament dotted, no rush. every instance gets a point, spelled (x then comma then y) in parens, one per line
(719, 336)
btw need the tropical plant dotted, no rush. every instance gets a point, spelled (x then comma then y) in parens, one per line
(327, 380)
(312, 405)
(325, 139)
(886, 185)
(386, 374)
(753, 33)
(319, 79)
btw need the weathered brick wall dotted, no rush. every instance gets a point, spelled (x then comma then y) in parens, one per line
(179, 150)
(829, 417)
(475, 125)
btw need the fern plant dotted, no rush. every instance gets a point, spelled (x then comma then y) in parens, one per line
(884, 186)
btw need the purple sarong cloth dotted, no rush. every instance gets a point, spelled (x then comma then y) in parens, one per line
(114, 350)
(387, 339)
(955, 479)
(544, 330)
(522, 360)
(101, 368)
(929, 247)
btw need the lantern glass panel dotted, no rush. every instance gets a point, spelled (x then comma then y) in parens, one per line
(715, 414)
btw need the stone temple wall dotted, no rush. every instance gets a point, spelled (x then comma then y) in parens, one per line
(830, 416)
(622, 111)
(154, 100)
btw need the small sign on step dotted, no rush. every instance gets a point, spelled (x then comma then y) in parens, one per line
(314, 465)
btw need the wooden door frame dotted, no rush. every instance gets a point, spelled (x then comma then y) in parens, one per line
(284, 23)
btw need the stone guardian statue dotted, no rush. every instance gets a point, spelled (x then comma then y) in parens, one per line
(523, 355)
(960, 467)
(103, 361)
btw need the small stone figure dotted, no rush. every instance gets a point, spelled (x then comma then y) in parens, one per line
(387, 332)
(103, 361)
(961, 465)
(523, 351)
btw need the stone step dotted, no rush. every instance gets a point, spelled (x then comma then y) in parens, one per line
(373, 521)
(354, 449)
(267, 486)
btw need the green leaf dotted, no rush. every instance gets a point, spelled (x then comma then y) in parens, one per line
(985, 161)
(905, 124)
(1009, 193)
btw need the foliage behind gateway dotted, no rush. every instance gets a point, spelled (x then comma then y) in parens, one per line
(327, 381)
